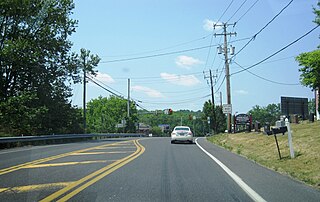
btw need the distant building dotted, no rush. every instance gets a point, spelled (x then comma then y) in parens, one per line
(165, 128)
(143, 128)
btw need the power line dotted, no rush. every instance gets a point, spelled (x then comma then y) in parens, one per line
(161, 49)
(135, 101)
(215, 56)
(255, 35)
(157, 55)
(240, 40)
(237, 10)
(178, 102)
(168, 53)
(270, 56)
(271, 81)
(95, 79)
(224, 78)
(104, 87)
(209, 50)
(224, 12)
(247, 11)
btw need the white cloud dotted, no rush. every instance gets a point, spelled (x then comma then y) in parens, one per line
(149, 91)
(241, 92)
(187, 62)
(182, 80)
(106, 78)
(208, 25)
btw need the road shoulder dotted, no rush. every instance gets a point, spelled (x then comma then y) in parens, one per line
(269, 184)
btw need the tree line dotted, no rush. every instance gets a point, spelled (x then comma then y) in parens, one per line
(37, 69)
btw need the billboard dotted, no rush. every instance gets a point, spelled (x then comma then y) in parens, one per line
(294, 105)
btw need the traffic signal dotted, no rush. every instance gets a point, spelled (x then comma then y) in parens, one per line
(190, 117)
(170, 111)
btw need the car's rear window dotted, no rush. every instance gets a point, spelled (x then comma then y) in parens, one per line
(186, 129)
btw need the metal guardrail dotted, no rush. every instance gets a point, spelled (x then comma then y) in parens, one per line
(6, 142)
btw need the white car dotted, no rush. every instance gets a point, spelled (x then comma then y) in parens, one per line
(181, 133)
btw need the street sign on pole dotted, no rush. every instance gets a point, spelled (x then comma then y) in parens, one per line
(227, 108)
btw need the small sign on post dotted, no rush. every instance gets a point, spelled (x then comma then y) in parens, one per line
(227, 108)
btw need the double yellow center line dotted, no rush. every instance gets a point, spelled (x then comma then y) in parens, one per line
(35, 162)
(77, 186)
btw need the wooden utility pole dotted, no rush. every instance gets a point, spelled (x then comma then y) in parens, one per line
(226, 60)
(128, 103)
(84, 99)
(213, 103)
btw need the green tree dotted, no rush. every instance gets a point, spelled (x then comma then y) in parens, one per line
(105, 113)
(36, 59)
(221, 121)
(310, 62)
(271, 113)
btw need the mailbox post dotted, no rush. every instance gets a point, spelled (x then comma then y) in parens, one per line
(290, 139)
(276, 131)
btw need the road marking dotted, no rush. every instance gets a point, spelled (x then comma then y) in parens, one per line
(28, 188)
(21, 166)
(95, 153)
(251, 193)
(66, 164)
(95, 176)
(13, 150)
(116, 148)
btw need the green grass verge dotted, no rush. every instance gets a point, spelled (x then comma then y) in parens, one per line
(262, 149)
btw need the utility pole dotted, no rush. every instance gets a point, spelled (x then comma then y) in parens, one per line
(225, 50)
(213, 104)
(84, 99)
(128, 105)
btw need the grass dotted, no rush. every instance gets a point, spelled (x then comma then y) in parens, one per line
(262, 149)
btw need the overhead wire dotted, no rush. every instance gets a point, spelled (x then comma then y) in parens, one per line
(119, 96)
(269, 80)
(247, 11)
(113, 93)
(224, 12)
(97, 80)
(275, 53)
(224, 78)
(178, 102)
(157, 55)
(255, 35)
(161, 49)
(237, 10)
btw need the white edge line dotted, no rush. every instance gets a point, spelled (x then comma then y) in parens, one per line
(253, 195)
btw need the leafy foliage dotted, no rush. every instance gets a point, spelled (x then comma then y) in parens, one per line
(36, 67)
(310, 62)
(105, 113)
(271, 113)
(310, 72)
(156, 118)
(221, 121)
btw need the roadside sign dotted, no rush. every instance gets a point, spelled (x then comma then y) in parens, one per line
(227, 108)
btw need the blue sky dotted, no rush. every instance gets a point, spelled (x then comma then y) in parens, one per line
(124, 29)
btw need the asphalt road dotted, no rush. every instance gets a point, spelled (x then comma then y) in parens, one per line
(150, 169)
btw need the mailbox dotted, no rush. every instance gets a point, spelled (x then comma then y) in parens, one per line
(278, 130)
(266, 128)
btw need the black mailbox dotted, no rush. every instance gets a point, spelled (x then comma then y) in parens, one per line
(267, 130)
(277, 130)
